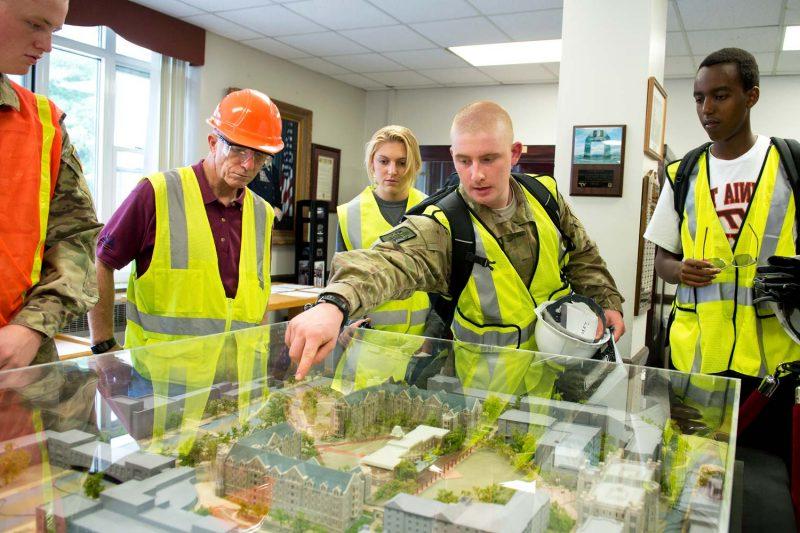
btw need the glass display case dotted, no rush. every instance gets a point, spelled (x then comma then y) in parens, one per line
(390, 433)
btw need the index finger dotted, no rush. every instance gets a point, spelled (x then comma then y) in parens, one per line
(312, 353)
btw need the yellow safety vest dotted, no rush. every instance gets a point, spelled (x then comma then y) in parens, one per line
(718, 327)
(361, 223)
(181, 294)
(496, 308)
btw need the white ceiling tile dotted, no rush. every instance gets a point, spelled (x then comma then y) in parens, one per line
(673, 23)
(676, 44)
(223, 27)
(426, 10)
(360, 81)
(793, 15)
(216, 5)
(458, 76)
(272, 21)
(174, 8)
(389, 38)
(532, 25)
(789, 63)
(365, 63)
(474, 30)
(324, 44)
(496, 7)
(679, 67)
(427, 59)
(319, 65)
(765, 61)
(718, 14)
(342, 14)
(519, 73)
(276, 48)
(751, 39)
(403, 79)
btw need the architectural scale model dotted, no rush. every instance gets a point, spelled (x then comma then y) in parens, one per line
(600, 451)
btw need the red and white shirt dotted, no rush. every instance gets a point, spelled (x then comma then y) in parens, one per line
(732, 183)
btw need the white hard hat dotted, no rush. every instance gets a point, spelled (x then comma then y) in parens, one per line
(778, 283)
(556, 334)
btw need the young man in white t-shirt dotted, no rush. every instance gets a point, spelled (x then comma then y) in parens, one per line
(734, 168)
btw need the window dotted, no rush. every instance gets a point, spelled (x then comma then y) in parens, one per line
(109, 89)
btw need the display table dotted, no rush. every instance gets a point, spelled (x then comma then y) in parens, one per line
(292, 297)
(215, 434)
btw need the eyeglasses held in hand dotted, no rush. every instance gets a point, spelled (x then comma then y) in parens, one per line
(739, 260)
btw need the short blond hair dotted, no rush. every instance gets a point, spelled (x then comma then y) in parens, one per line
(400, 134)
(482, 116)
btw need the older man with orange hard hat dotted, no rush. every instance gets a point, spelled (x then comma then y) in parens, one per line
(199, 237)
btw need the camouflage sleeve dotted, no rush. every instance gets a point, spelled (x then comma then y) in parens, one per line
(587, 271)
(413, 256)
(68, 284)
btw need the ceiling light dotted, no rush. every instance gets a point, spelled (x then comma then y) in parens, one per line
(519, 53)
(791, 39)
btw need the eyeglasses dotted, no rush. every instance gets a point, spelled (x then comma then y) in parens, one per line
(739, 260)
(243, 154)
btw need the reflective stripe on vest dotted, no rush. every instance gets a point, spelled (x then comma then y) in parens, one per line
(718, 327)
(361, 224)
(181, 294)
(30, 156)
(496, 307)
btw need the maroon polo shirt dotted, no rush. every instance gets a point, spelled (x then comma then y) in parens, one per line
(130, 233)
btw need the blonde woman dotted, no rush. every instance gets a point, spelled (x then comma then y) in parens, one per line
(392, 160)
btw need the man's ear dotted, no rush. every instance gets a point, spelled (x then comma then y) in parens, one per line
(516, 152)
(753, 95)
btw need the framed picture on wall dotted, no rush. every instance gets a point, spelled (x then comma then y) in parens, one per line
(293, 167)
(598, 160)
(656, 120)
(285, 179)
(325, 163)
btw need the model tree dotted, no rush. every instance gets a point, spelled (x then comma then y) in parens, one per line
(446, 496)
(405, 470)
(310, 404)
(93, 485)
(12, 463)
(492, 408)
(452, 442)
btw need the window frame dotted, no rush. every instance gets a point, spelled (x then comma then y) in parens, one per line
(105, 149)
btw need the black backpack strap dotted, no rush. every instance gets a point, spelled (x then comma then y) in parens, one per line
(462, 237)
(543, 195)
(680, 187)
(789, 152)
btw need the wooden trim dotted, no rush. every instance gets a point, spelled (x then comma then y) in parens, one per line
(652, 86)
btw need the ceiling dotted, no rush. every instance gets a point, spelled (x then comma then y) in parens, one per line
(379, 44)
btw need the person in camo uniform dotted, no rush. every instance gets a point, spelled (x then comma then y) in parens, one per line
(521, 244)
(48, 222)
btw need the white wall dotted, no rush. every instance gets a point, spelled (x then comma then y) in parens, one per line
(339, 109)
(777, 113)
(428, 112)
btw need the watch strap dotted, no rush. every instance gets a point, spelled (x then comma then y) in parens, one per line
(104, 346)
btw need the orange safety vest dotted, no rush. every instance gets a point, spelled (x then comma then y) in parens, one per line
(30, 156)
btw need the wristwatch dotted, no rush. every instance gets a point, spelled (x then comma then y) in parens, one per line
(103, 347)
(339, 302)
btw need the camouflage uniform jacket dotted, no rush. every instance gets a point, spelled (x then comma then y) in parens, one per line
(68, 283)
(393, 270)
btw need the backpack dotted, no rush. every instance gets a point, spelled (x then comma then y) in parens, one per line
(462, 235)
(789, 153)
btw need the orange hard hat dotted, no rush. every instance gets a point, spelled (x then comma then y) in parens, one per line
(249, 118)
